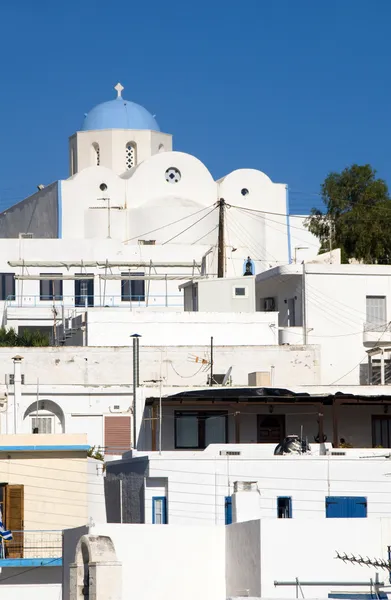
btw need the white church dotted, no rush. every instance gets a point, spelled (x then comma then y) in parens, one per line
(133, 207)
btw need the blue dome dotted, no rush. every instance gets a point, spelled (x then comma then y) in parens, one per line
(119, 114)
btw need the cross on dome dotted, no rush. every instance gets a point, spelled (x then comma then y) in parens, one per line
(119, 88)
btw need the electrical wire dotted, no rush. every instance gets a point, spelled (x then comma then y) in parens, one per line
(140, 236)
(190, 226)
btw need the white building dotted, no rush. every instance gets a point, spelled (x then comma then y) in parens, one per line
(344, 309)
(190, 487)
(260, 558)
(133, 219)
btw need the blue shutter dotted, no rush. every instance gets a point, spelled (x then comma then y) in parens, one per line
(346, 507)
(228, 510)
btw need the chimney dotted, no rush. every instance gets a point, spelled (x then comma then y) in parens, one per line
(245, 501)
(17, 399)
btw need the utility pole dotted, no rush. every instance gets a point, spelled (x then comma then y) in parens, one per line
(221, 243)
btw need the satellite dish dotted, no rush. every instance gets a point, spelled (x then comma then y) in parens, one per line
(226, 376)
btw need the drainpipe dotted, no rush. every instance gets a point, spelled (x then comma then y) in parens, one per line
(17, 391)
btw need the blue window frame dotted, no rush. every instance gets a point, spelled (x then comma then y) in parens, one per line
(284, 507)
(346, 507)
(228, 510)
(159, 510)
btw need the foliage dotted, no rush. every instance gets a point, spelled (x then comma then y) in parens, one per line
(357, 218)
(94, 452)
(9, 337)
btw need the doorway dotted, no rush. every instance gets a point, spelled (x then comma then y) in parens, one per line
(271, 429)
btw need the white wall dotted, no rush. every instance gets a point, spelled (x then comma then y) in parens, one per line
(199, 481)
(240, 560)
(335, 307)
(311, 554)
(181, 328)
(164, 562)
(25, 584)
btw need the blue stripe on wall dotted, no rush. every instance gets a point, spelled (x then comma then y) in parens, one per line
(43, 448)
(30, 562)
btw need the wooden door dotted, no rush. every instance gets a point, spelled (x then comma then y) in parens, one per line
(14, 517)
(271, 429)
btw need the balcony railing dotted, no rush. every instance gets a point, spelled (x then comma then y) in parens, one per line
(32, 301)
(32, 544)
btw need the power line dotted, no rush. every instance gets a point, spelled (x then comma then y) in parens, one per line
(166, 225)
(190, 226)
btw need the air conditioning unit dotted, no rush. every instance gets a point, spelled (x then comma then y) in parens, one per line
(26, 236)
(269, 304)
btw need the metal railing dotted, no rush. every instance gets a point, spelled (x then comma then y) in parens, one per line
(33, 543)
(99, 301)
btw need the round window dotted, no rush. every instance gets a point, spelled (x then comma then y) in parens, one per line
(103, 187)
(173, 175)
(244, 192)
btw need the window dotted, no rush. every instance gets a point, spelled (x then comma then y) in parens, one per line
(84, 292)
(130, 156)
(228, 510)
(196, 429)
(173, 175)
(376, 311)
(42, 424)
(159, 510)
(284, 507)
(96, 154)
(244, 192)
(7, 286)
(346, 507)
(381, 431)
(50, 289)
(241, 292)
(131, 289)
(117, 435)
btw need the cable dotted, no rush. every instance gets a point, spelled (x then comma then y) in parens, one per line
(167, 225)
(209, 232)
(190, 226)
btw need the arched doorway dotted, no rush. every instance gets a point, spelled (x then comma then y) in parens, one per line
(47, 417)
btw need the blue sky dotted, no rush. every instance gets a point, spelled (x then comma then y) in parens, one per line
(295, 88)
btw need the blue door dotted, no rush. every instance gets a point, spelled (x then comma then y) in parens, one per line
(346, 507)
(228, 510)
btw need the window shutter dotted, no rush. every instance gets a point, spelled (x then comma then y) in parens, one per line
(117, 434)
(14, 516)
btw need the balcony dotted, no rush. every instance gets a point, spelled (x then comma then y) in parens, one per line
(377, 334)
(32, 548)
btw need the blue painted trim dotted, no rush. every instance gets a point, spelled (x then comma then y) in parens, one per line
(164, 509)
(59, 209)
(288, 225)
(290, 504)
(42, 448)
(30, 562)
(228, 510)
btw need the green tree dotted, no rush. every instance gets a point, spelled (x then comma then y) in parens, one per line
(357, 218)
(9, 338)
